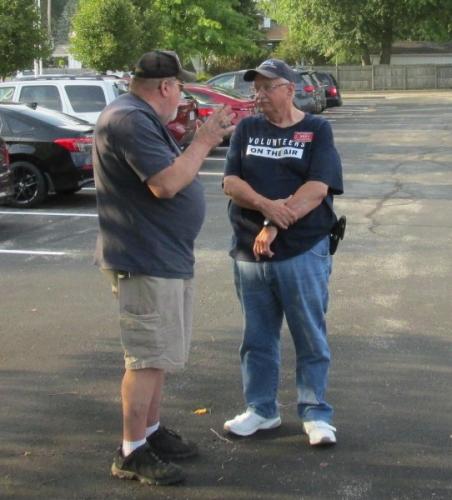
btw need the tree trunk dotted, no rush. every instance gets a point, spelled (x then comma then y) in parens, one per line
(386, 45)
(365, 55)
(365, 59)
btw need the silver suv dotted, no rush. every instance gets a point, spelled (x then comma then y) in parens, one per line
(82, 97)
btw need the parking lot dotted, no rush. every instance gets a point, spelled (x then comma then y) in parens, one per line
(389, 322)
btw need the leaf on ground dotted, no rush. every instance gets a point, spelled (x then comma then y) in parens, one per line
(201, 411)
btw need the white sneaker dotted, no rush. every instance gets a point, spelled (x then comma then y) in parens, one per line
(319, 432)
(249, 422)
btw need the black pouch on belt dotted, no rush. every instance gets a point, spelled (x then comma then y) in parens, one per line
(337, 233)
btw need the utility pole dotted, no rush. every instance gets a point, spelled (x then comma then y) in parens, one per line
(49, 18)
(38, 62)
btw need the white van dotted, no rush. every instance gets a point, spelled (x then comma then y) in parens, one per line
(82, 97)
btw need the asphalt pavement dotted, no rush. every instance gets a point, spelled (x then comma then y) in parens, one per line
(389, 324)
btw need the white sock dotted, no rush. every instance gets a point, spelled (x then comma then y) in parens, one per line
(129, 446)
(151, 429)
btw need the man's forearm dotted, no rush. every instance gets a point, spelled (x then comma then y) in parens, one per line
(172, 179)
(180, 173)
(308, 197)
(243, 194)
(246, 197)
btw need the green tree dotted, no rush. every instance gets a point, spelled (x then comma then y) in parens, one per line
(105, 34)
(22, 39)
(351, 28)
(209, 28)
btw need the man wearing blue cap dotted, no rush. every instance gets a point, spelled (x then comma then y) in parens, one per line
(282, 170)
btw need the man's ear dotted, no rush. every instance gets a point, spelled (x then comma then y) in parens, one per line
(164, 88)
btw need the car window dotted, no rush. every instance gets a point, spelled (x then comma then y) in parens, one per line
(44, 95)
(315, 79)
(55, 118)
(228, 92)
(226, 81)
(244, 87)
(202, 98)
(86, 98)
(306, 79)
(120, 87)
(19, 127)
(6, 93)
(324, 78)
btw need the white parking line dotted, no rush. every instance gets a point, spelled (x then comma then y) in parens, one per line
(32, 252)
(55, 214)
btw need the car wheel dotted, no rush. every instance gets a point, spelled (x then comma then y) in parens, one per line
(30, 187)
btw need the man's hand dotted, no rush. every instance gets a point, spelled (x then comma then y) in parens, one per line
(217, 127)
(279, 213)
(263, 241)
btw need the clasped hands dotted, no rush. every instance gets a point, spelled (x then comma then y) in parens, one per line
(282, 216)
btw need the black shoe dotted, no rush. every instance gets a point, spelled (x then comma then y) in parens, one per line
(170, 446)
(146, 467)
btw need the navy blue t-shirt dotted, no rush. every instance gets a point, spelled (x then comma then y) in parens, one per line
(140, 233)
(275, 162)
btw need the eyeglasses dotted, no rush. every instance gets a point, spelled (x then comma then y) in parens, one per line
(268, 88)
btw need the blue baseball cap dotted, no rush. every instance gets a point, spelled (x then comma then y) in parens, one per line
(271, 68)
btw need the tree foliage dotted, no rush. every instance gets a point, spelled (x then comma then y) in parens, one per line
(209, 29)
(352, 28)
(22, 39)
(105, 34)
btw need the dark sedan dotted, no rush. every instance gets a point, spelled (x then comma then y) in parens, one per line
(6, 177)
(49, 152)
(333, 94)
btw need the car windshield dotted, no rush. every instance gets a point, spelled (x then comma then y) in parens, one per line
(54, 118)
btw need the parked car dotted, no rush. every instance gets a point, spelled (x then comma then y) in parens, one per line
(321, 87)
(6, 176)
(233, 80)
(333, 95)
(209, 97)
(48, 150)
(183, 127)
(81, 96)
(306, 87)
(306, 98)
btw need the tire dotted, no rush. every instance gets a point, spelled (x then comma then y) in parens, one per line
(30, 187)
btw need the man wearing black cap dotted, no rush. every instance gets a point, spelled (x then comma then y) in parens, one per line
(151, 208)
(281, 173)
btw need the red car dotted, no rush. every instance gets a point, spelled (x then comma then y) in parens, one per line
(183, 127)
(210, 98)
(6, 175)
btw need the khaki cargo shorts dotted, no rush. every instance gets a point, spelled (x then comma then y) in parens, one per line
(155, 320)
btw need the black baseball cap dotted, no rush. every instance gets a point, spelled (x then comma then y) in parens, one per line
(271, 68)
(162, 64)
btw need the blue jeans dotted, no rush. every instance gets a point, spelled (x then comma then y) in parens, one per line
(296, 288)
